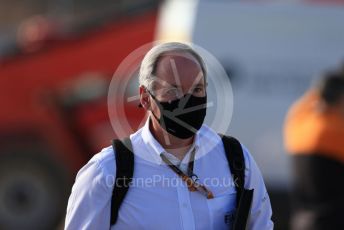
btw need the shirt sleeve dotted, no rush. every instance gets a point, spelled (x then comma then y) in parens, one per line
(261, 212)
(89, 202)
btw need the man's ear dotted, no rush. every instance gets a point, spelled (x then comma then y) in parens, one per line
(144, 98)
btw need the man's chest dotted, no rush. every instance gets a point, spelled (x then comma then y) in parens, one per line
(158, 199)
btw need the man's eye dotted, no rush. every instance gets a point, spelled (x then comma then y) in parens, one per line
(198, 90)
(172, 92)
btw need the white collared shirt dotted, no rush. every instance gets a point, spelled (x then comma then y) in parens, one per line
(158, 198)
(181, 164)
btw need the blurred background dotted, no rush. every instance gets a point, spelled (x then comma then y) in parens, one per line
(57, 58)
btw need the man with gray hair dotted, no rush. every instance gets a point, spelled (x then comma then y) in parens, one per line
(191, 177)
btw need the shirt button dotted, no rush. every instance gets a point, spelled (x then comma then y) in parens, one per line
(185, 205)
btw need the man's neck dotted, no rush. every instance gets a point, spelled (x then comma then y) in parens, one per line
(176, 146)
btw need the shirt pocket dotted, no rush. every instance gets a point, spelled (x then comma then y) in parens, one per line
(221, 210)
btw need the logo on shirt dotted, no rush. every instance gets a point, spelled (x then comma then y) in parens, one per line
(229, 217)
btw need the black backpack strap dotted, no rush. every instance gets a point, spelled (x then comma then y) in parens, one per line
(236, 161)
(124, 172)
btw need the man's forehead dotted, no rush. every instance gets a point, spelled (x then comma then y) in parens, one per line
(181, 60)
(176, 69)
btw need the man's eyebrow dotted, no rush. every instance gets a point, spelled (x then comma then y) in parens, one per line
(173, 85)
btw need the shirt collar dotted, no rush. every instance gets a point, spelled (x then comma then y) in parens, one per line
(155, 147)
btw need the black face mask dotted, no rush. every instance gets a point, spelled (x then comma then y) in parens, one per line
(182, 117)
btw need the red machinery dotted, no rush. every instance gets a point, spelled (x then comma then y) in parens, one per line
(48, 127)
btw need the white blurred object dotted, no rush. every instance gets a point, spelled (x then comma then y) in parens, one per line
(176, 20)
(273, 50)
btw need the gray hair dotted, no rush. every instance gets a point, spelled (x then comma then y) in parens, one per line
(148, 65)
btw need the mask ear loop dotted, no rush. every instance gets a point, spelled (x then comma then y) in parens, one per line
(159, 120)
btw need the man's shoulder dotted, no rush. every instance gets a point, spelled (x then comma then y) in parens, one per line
(208, 135)
(103, 161)
(105, 156)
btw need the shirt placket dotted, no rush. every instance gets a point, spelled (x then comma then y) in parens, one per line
(186, 214)
(185, 208)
